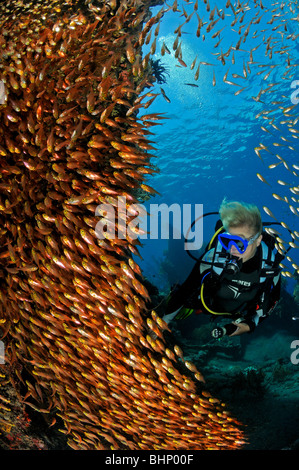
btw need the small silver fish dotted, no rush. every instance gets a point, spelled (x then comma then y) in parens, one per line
(164, 95)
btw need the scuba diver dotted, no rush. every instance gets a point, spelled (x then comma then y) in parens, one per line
(238, 276)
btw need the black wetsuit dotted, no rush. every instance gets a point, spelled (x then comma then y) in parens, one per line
(241, 294)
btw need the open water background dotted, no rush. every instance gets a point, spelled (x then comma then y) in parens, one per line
(205, 147)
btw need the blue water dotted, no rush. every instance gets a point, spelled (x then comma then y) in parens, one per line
(205, 147)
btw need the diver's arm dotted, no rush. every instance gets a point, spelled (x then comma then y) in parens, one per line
(257, 310)
(274, 295)
(260, 309)
(266, 306)
(241, 328)
(265, 303)
(181, 295)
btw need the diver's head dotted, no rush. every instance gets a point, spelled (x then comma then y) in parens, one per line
(243, 221)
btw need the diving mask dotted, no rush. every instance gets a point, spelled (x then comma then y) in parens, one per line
(227, 241)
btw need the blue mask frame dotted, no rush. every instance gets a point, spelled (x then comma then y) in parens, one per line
(227, 241)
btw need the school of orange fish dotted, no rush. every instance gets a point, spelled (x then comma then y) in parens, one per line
(73, 308)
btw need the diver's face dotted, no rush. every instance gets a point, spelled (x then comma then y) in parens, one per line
(246, 232)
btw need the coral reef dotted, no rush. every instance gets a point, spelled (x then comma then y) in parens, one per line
(251, 379)
(81, 347)
(15, 424)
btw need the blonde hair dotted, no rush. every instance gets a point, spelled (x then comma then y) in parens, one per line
(236, 214)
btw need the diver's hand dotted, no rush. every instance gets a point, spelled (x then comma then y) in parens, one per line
(230, 329)
(240, 329)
